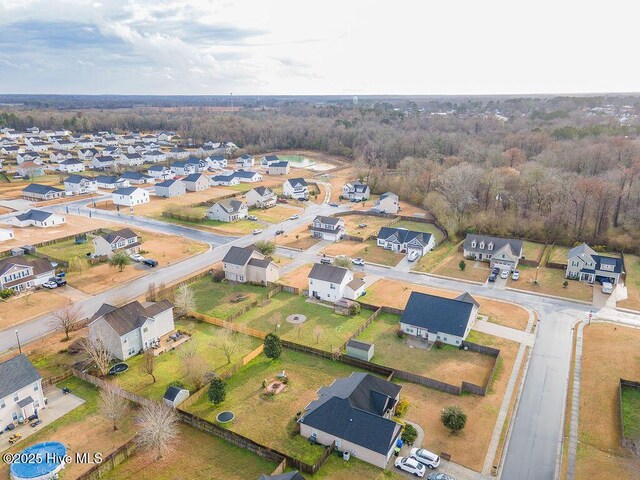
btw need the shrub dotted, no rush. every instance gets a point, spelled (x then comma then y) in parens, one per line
(401, 407)
(272, 346)
(177, 383)
(409, 434)
(217, 390)
(354, 309)
(462, 265)
(453, 418)
(6, 293)
(565, 284)
(600, 248)
(438, 344)
(400, 333)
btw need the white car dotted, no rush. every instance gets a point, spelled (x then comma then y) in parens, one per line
(504, 274)
(410, 465)
(50, 284)
(413, 256)
(425, 457)
(295, 216)
(136, 257)
(257, 231)
(358, 261)
(515, 275)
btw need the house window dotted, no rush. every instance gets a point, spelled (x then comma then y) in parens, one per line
(490, 246)
(145, 329)
(36, 388)
(15, 397)
(2, 403)
(332, 286)
(473, 244)
(124, 341)
(36, 404)
(14, 415)
(481, 245)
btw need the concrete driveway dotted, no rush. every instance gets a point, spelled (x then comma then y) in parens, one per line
(603, 300)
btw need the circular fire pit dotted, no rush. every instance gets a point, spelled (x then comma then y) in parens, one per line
(297, 318)
(225, 417)
(118, 368)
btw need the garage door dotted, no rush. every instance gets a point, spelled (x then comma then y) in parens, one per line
(502, 265)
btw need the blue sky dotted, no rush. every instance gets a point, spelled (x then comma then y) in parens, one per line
(328, 47)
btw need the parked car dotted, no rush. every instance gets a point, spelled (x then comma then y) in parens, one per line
(607, 287)
(282, 200)
(362, 225)
(410, 465)
(150, 262)
(295, 216)
(333, 204)
(326, 261)
(496, 270)
(252, 218)
(257, 231)
(50, 284)
(493, 276)
(439, 476)
(358, 261)
(61, 282)
(136, 257)
(412, 256)
(504, 274)
(61, 273)
(279, 232)
(515, 275)
(425, 457)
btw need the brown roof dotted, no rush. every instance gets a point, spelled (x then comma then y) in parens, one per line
(132, 315)
(355, 284)
(40, 266)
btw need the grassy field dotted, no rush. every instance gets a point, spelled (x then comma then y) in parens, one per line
(632, 282)
(610, 352)
(81, 430)
(196, 455)
(215, 298)
(550, 282)
(559, 254)
(373, 225)
(303, 241)
(169, 367)
(298, 278)
(631, 412)
(17, 310)
(68, 249)
(241, 227)
(450, 267)
(271, 421)
(276, 214)
(436, 256)
(532, 251)
(421, 227)
(368, 250)
(335, 468)
(447, 364)
(336, 329)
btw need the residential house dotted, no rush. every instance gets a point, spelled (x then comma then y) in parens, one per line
(387, 203)
(103, 162)
(330, 283)
(154, 156)
(62, 143)
(356, 191)
(216, 162)
(88, 153)
(6, 234)
(131, 329)
(149, 139)
(37, 146)
(245, 161)
(21, 394)
(111, 182)
(584, 264)
(108, 244)
(86, 142)
(130, 159)
(279, 168)
(28, 157)
(229, 210)
(112, 151)
(71, 166)
(136, 178)
(433, 318)
(247, 176)
(196, 182)
(10, 150)
(58, 156)
(126, 140)
(355, 413)
(19, 274)
(37, 192)
(503, 253)
(79, 184)
(110, 140)
(130, 196)
(268, 160)
(30, 169)
(296, 188)
(328, 228)
(174, 395)
(178, 153)
(401, 240)
(160, 172)
(226, 180)
(247, 265)
(36, 218)
(170, 188)
(182, 168)
(197, 164)
(260, 197)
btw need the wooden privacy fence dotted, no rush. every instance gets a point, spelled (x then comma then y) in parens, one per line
(632, 444)
(47, 382)
(97, 231)
(110, 462)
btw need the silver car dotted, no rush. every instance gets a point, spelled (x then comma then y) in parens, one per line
(425, 457)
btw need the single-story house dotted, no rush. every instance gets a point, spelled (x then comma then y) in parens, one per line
(403, 240)
(36, 218)
(37, 192)
(71, 165)
(136, 178)
(19, 274)
(130, 196)
(6, 234)
(174, 396)
(247, 176)
(247, 265)
(355, 413)
(170, 188)
(584, 264)
(103, 162)
(132, 328)
(356, 191)
(296, 188)
(196, 182)
(21, 393)
(279, 168)
(433, 318)
(328, 228)
(260, 197)
(160, 172)
(503, 253)
(331, 283)
(110, 182)
(225, 180)
(229, 210)
(387, 203)
(108, 244)
(79, 184)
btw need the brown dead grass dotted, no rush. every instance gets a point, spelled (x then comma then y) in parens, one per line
(304, 241)
(374, 224)
(450, 267)
(158, 204)
(298, 278)
(609, 353)
(27, 307)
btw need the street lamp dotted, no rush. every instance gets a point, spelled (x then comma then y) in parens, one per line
(537, 270)
(18, 338)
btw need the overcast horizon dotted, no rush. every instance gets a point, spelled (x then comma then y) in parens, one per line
(133, 47)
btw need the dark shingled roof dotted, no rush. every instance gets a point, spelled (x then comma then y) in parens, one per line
(327, 220)
(167, 183)
(498, 243)
(125, 191)
(15, 374)
(256, 262)
(25, 401)
(327, 273)
(125, 233)
(439, 314)
(131, 316)
(403, 235)
(297, 182)
(172, 392)
(78, 179)
(40, 189)
(238, 256)
(134, 175)
(262, 191)
(194, 177)
(245, 174)
(33, 214)
(359, 345)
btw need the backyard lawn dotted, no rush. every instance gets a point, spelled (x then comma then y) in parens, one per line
(436, 256)
(335, 329)
(559, 254)
(335, 468)
(447, 364)
(373, 225)
(532, 251)
(196, 455)
(610, 352)
(632, 282)
(271, 421)
(631, 412)
(421, 227)
(550, 282)
(68, 249)
(169, 367)
(217, 298)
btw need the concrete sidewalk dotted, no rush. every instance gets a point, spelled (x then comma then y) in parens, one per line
(504, 332)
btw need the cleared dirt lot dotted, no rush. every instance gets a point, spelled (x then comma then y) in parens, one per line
(609, 353)
(368, 250)
(303, 241)
(373, 225)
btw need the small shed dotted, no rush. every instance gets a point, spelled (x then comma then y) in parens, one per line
(17, 251)
(343, 306)
(360, 350)
(174, 396)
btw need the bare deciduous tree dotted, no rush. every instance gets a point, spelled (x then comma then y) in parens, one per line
(317, 332)
(96, 352)
(112, 405)
(148, 364)
(184, 300)
(65, 319)
(195, 369)
(228, 343)
(157, 428)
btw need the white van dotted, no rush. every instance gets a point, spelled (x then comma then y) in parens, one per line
(607, 287)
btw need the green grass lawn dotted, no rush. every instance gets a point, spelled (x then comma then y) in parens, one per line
(631, 412)
(271, 421)
(432, 259)
(335, 468)
(559, 254)
(421, 227)
(447, 364)
(169, 367)
(632, 267)
(215, 298)
(336, 329)
(68, 249)
(532, 250)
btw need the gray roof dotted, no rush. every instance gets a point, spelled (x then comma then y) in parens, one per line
(25, 401)
(167, 183)
(194, 177)
(498, 243)
(262, 191)
(238, 255)
(71, 161)
(16, 373)
(617, 263)
(271, 158)
(157, 168)
(403, 235)
(579, 250)
(40, 189)
(230, 205)
(33, 214)
(261, 263)
(283, 476)
(78, 179)
(245, 174)
(134, 175)
(223, 178)
(327, 220)
(125, 191)
(172, 392)
(125, 233)
(131, 316)
(106, 179)
(104, 159)
(297, 182)
(327, 273)
(388, 194)
(439, 314)
(359, 345)
(279, 164)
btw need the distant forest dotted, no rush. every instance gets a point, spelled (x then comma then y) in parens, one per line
(561, 169)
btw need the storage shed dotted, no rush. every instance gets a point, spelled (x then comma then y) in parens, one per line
(360, 350)
(174, 396)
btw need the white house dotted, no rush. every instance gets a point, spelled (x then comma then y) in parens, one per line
(6, 234)
(296, 188)
(38, 192)
(225, 180)
(328, 228)
(160, 172)
(153, 156)
(110, 182)
(30, 169)
(37, 146)
(78, 184)
(136, 178)
(247, 176)
(387, 203)
(19, 273)
(330, 283)
(229, 210)
(130, 159)
(21, 394)
(28, 157)
(584, 264)
(183, 168)
(130, 196)
(131, 329)
(401, 240)
(268, 160)
(245, 161)
(260, 197)
(216, 162)
(103, 162)
(356, 191)
(433, 318)
(170, 188)
(36, 218)
(71, 166)
(174, 396)
(247, 265)
(108, 244)
(58, 156)
(279, 168)
(178, 153)
(88, 153)
(196, 182)
(503, 253)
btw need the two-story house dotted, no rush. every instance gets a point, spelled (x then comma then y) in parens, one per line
(21, 395)
(183, 168)
(328, 228)
(279, 168)
(247, 265)
(356, 191)
(268, 160)
(216, 162)
(136, 178)
(160, 172)
(170, 188)
(37, 192)
(19, 273)
(103, 162)
(153, 156)
(401, 240)
(245, 161)
(132, 328)
(225, 180)
(130, 196)
(79, 184)
(71, 165)
(260, 197)
(502, 253)
(121, 240)
(296, 188)
(584, 264)
(196, 182)
(387, 203)
(331, 284)
(111, 182)
(229, 210)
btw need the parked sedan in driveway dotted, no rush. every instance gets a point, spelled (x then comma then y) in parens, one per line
(439, 476)
(410, 465)
(493, 276)
(515, 275)
(504, 274)
(136, 257)
(50, 284)
(425, 457)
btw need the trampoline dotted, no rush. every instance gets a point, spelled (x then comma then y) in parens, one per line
(225, 417)
(41, 461)
(118, 368)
